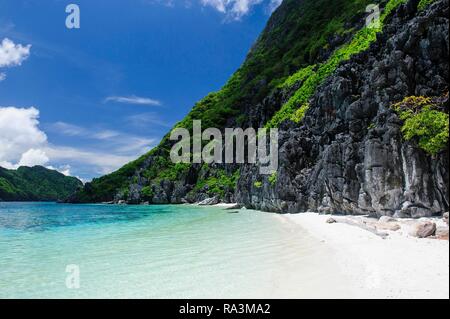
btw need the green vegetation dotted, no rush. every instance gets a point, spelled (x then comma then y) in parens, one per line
(147, 193)
(297, 77)
(313, 76)
(293, 44)
(219, 183)
(104, 189)
(298, 115)
(36, 184)
(258, 184)
(423, 4)
(173, 172)
(294, 39)
(425, 120)
(273, 178)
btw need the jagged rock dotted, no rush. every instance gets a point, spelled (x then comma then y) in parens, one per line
(348, 154)
(134, 196)
(424, 230)
(331, 220)
(210, 201)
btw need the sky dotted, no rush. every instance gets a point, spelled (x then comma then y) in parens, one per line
(87, 100)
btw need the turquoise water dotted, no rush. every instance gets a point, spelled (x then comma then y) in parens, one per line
(153, 252)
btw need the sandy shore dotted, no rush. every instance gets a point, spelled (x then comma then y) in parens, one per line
(398, 266)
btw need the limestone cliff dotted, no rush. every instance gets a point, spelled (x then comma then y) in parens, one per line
(330, 84)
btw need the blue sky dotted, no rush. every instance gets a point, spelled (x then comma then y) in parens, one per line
(86, 101)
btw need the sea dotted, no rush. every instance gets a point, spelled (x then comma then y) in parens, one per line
(51, 250)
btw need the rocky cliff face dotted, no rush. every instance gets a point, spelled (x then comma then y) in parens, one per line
(349, 155)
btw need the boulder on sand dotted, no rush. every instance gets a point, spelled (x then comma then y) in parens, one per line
(442, 233)
(210, 201)
(424, 230)
(388, 226)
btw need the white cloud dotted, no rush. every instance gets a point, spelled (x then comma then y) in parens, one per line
(232, 9)
(146, 119)
(242, 7)
(33, 157)
(64, 169)
(106, 134)
(12, 54)
(19, 134)
(219, 5)
(69, 129)
(115, 141)
(23, 143)
(104, 150)
(102, 162)
(236, 9)
(133, 100)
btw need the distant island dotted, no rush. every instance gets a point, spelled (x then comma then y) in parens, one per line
(36, 184)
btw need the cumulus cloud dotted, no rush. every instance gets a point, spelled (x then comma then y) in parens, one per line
(132, 100)
(20, 137)
(23, 143)
(33, 157)
(12, 54)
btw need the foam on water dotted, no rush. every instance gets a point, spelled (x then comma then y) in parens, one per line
(158, 252)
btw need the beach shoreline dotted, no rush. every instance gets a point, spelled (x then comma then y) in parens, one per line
(396, 266)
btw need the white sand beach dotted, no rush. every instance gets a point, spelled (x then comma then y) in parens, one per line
(398, 266)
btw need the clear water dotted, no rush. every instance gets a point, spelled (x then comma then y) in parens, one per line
(157, 252)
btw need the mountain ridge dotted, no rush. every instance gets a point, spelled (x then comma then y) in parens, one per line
(36, 184)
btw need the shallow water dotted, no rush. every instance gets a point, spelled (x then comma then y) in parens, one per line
(158, 252)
